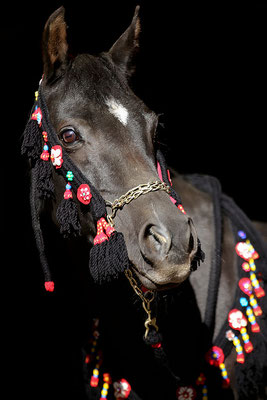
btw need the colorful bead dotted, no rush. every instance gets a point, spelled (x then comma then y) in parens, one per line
(122, 389)
(254, 304)
(84, 194)
(240, 358)
(37, 115)
(181, 208)
(226, 380)
(94, 378)
(186, 393)
(247, 344)
(246, 251)
(246, 267)
(45, 154)
(243, 301)
(69, 176)
(245, 285)
(236, 319)
(259, 291)
(204, 392)
(104, 391)
(242, 234)
(254, 325)
(56, 156)
(215, 356)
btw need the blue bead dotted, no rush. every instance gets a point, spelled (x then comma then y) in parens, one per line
(68, 186)
(243, 301)
(45, 147)
(242, 234)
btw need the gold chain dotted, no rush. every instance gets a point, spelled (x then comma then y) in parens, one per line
(133, 194)
(146, 301)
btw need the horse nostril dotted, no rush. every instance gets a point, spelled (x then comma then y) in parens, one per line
(157, 239)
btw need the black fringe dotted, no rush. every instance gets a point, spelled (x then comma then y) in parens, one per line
(68, 218)
(109, 259)
(32, 140)
(45, 184)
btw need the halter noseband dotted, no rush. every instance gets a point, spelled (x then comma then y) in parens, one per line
(133, 194)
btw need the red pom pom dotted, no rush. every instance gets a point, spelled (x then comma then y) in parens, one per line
(49, 286)
(156, 345)
(259, 292)
(240, 358)
(248, 347)
(226, 383)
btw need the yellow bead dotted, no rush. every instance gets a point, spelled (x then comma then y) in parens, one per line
(95, 372)
(224, 373)
(106, 385)
(204, 390)
(243, 330)
(239, 349)
(222, 366)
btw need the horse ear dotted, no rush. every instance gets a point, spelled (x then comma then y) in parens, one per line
(55, 46)
(125, 47)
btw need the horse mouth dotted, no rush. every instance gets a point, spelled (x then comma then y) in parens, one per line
(149, 283)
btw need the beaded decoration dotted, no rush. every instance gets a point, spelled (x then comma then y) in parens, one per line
(215, 357)
(231, 336)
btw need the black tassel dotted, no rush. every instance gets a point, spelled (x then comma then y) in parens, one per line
(32, 143)
(199, 257)
(108, 257)
(44, 185)
(68, 218)
(98, 261)
(116, 255)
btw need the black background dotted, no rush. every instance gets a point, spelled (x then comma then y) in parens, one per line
(203, 67)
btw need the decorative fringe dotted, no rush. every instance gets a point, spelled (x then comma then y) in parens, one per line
(108, 257)
(45, 184)
(199, 257)
(32, 143)
(68, 218)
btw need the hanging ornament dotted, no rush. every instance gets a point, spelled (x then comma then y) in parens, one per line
(56, 156)
(254, 326)
(215, 357)
(246, 251)
(246, 286)
(238, 321)
(186, 393)
(230, 335)
(106, 384)
(37, 115)
(122, 389)
(84, 194)
(259, 291)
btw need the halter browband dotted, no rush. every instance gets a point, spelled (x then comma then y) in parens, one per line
(133, 194)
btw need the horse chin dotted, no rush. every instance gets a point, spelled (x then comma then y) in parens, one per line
(156, 281)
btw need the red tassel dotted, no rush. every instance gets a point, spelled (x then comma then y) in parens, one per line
(49, 286)
(100, 236)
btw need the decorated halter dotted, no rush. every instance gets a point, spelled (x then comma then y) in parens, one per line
(108, 256)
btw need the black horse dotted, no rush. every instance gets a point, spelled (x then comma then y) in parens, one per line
(109, 134)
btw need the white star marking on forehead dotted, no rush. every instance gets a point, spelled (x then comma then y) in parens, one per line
(118, 110)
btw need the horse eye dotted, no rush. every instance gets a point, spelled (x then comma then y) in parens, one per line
(69, 136)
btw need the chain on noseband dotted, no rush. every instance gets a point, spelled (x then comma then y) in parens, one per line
(133, 194)
(118, 204)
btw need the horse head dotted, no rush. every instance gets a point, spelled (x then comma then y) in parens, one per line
(109, 133)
